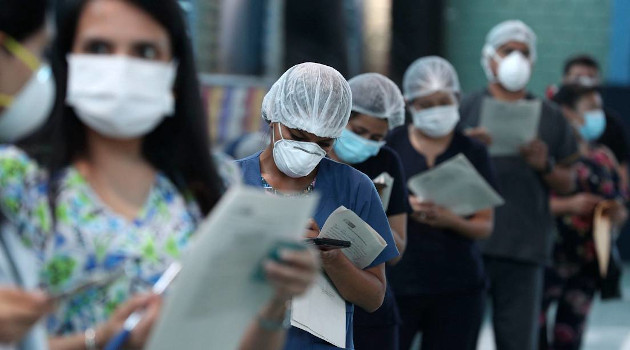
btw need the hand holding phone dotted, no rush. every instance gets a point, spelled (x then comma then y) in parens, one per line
(327, 244)
(96, 280)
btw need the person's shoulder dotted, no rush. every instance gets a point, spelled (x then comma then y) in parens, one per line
(248, 160)
(11, 155)
(344, 173)
(604, 154)
(387, 158)
(473, 97)
(396, 136)
(387, 152)
(551, 109)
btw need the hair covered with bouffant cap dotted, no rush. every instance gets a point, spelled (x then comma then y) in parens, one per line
(311, 97)
(377, 96)
(428, 75)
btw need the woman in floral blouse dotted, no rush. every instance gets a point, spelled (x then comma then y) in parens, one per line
(573, 279)
(120, 176)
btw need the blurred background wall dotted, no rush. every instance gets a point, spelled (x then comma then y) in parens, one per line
(243, 46)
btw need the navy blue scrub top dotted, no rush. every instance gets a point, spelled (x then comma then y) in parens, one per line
(338, 184)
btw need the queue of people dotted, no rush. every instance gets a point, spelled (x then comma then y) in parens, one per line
(107, 166)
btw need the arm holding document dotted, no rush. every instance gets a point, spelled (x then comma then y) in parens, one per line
(477, 226)
(398, 224)
(364, 288)
(290, 278)
(578, 204)
(559, 177)
(584, 204)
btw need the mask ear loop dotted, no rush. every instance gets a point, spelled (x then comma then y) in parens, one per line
(5, 100)
(489, 53)
(23, 54)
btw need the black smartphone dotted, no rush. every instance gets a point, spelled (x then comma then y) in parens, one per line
(329, 243)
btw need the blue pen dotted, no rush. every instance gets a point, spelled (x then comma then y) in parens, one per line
(132, 321)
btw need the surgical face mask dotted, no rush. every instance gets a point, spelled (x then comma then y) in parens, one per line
(120, 97)
(594, 125)
(296, 158)
(352, 148)
(29, 109)
(514, 71)
(436, 121)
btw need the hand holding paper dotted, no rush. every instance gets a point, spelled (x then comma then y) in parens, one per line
(510, 124)
(457, 186)
(322, 311)
(221, 288)
(431, 214)
(536, 154)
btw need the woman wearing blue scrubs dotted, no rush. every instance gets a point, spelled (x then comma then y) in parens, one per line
(307, 109)
(377, 107)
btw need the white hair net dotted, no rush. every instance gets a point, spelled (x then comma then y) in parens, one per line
(376, 95)
(511, 30)
(428, 75)
(311, 97)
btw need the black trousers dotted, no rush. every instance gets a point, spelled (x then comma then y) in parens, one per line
(450, 321)
(516, 294)
(377, 338)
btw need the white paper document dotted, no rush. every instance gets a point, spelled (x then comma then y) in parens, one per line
(322, 311)
(384, 184)
(457, 186)
(345, 225)
(221, 286)
(510, 124)
(602, 236)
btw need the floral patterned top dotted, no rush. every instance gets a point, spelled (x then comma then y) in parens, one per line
(597, 174)
(86, 237)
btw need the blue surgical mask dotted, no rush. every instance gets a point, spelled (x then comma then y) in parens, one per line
(352, 148)
(594, 125)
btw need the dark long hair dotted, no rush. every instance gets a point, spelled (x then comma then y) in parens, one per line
(179, 147)
(21, 19)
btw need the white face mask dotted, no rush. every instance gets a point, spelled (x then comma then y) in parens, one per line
(436, 121)
(296, 158)
(514, 71)
(30, 108)
(118, 96)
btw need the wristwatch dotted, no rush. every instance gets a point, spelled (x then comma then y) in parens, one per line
(90, 339)
(548, 169)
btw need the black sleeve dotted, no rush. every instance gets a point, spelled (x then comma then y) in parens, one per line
(398, 202)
